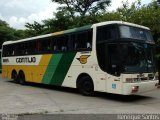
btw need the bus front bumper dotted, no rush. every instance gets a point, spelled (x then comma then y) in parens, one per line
(135, 88)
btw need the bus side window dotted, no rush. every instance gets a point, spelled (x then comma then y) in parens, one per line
(11, 50)
(58, 44)
(80, 42)
(71, 41)
(53, 45)
(89, 40)
(21, 48)
(6, 51)
(48, 45)
(31, 47)
(15, 50)
(45, 45)
(83, 41)
(62, 43)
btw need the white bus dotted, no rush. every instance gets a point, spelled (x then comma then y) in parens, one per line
(113, 57)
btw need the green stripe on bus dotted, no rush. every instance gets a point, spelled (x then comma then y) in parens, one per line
(62, 68)
(77, 29)
(52, 66)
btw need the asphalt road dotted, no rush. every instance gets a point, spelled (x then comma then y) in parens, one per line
(42, 99)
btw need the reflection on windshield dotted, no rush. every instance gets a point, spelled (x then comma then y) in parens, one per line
(135, 33)
(137, 57)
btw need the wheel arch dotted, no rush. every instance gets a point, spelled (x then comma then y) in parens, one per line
(21, 72)
(81, 76)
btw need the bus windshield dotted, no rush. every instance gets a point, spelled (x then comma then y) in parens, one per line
(131, 52)
(135, 33)
(137, 58)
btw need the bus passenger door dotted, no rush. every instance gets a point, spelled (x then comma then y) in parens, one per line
(113, 83)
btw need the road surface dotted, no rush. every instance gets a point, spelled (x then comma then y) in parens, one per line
(42, 99)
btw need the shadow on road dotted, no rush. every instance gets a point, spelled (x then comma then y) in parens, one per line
(107, 96)
(122, 98)
(50, 87)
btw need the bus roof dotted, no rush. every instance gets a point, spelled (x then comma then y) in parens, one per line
(76, 30)
(122, 23)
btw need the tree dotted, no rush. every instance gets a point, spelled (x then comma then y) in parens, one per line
(20, 34)
(82, 7)
(6, 33)
(34, 29)
(80, 12)
(72, 13)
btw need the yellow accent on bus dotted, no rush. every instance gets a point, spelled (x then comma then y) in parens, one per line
(41, 68)
(58, 33)
(33, 73)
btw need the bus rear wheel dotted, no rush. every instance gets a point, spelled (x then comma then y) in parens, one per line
(85, 86)
(14, 76)
(21, 78)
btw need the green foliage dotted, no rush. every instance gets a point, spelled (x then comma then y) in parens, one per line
(20, 34)
(72, 13)
(82, 7)
(34, 29)
(7, 33)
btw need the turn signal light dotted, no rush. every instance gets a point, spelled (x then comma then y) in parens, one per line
(135, 89)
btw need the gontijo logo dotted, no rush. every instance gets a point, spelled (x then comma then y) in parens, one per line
(83, 59)
(26, 60)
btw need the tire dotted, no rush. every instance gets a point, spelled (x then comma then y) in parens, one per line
(85, 86)
(15, 77)
(21, 78)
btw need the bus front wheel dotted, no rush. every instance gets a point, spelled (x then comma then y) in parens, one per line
(85, 86)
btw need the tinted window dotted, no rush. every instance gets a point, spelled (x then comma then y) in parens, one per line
(71, 42)
(31, 47)
(53, 45)
(83, 40)
(106, 33)
(78, 41)
(62, 43)
(20, 49)
(43, 45)
(135, 33)
(5, 51)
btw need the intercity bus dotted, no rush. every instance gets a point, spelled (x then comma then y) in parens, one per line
(114, 57)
